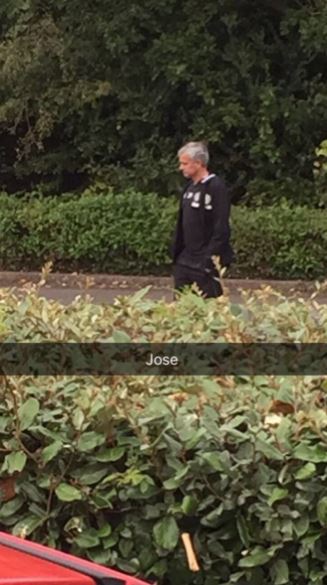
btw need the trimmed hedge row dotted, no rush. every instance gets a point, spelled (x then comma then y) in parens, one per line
(116, 468)
(131, 233)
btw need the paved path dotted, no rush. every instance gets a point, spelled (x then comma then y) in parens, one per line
(104, 288)
(100, 295)
(67, 295)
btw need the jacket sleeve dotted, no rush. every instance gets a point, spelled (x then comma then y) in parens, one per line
(177, 240)
(220, 201)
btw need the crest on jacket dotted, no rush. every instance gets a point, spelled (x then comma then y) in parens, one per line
(196, 199)
(207, 201)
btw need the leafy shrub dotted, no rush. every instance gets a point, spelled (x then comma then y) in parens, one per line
(296, 192)
(280, 241)
(114, 469)
(131, 233)
(320, 173)
(104, 232)
(125, 99)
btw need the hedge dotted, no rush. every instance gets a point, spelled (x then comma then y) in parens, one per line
(116, 468)
(130, 233)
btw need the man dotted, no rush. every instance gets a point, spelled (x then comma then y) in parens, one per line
(203, 224)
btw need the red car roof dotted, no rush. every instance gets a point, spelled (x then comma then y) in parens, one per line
(27, 563)
(18, 568)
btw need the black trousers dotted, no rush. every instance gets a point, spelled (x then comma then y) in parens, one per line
(207, 283)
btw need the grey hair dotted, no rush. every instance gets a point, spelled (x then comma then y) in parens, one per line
(196, 151)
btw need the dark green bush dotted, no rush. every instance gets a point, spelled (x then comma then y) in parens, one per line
(131, 232)
(125, 88)
(296, 192)
(320, 173)
(114, 469)
(280, 242)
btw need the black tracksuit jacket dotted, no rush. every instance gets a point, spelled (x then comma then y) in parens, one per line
(203, 229)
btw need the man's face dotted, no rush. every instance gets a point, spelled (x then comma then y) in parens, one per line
(189, 167)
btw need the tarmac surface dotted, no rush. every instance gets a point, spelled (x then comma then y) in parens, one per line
(104, 288)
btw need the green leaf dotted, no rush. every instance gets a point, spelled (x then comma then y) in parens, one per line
(27, 413)
(311, 538)
(255, 559)
(68, 493)
(280, 572)
(10, 508)
(235, 422)
(131, 566)
(121, 337)
(126, 533)
(104, 531)
(166, 533)
(15, 461)
(89, 441)
(213, 459)
(125, 547)
(101, 557)
(51, 451)
(159, 569)
(111, 454)
(322, 511)
(283, 432)
(213, 518)
(193, 441)
(211, 388)
(243, 531)
(236, 310)
(27, 525)
(89, 474)
(269, 450)
(301, 525)
(86, 540)
(172, 483)
(4, 421)
(308, 470)
(136, 297)
(312, 453)
(233, 432)
(100, 502)
(110, 541)
(277, 494)
(189, 505)
(32, 491)
(78, 419)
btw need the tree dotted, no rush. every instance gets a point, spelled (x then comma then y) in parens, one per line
(116, 92)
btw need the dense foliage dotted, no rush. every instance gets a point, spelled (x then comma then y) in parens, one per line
(130, 233)
(115, 469)
(90, 88)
